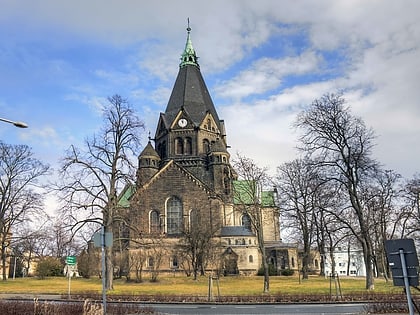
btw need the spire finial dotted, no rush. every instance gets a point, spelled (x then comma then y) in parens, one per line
(188, 27)
(150, 138)
(189, 57)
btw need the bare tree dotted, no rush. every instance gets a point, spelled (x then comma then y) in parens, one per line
(411, 208)
(92, 178)
(381, 197)
(20, 173)
(249, 200)
(197, 244)
(297, 183)
(342, 146)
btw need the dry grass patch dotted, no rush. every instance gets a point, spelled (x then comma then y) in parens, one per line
(181, 285)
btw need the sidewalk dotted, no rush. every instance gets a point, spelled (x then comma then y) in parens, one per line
(28, 296)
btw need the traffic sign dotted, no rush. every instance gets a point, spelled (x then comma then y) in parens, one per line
(71, 260)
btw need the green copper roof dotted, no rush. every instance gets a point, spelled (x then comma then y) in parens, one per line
(245, 193)
(124, 198)
(188, 56)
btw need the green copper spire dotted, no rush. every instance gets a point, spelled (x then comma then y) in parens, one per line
(188, 56)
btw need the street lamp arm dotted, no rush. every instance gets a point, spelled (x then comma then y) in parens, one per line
(18, 124)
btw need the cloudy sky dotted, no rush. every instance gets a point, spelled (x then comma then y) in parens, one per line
(262, 62)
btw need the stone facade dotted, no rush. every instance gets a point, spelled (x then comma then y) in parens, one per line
(185, 190)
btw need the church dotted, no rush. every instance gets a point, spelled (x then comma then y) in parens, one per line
(184, 211)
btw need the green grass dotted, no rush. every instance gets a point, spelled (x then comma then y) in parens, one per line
(181, 285)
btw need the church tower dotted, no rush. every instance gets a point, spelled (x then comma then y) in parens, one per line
(190, 132)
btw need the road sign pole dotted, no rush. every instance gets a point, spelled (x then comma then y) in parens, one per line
(103, 269)
(406, 282)
(69, 274)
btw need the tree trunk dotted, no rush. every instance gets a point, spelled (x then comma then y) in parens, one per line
(3, 261)
(266, 287)
(368, 255)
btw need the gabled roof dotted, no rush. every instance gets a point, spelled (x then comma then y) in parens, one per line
(172, 163)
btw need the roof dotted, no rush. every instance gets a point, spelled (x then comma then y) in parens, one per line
(235, 231)
(246, 192)
(149, 151)
(124, 198)
(190, 91)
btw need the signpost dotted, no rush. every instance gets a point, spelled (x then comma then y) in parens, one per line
(70, 265)
(103, 239)
(402, 258)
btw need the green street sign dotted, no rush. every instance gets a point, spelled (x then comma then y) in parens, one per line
(71, 260)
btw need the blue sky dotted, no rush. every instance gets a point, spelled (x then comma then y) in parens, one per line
(262, 61)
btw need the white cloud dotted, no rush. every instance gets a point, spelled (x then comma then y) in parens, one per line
(267, 74)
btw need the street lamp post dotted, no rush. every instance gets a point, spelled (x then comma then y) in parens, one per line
(18, 124)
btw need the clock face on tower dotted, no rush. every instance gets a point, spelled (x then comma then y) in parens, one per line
(182, 122)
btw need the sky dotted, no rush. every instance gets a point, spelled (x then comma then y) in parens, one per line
(263, 62)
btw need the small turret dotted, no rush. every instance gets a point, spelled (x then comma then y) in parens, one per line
(149, 161)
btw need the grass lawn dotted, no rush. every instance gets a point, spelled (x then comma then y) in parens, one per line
(181, 285)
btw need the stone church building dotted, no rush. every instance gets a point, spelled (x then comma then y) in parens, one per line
(184, 208)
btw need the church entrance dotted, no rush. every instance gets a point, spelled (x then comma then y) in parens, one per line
(230, 262)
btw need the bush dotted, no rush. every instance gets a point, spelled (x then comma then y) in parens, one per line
(287, 272)
(88, 307)
(271, 271)
(49, 267)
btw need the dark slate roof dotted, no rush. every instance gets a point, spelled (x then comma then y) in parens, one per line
(235, 231)
(149, 151)
(190, 92)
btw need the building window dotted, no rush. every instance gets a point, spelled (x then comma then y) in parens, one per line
(226, 181)
(194, 219)
(250, 259)
(150, 262)
(154, 222)
(174, 262)
(179, 146)
(174, 216)
(188, 146)
(246, 221)
(293, 262)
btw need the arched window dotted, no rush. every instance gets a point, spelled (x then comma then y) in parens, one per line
(150, 262)
(188, 146)
(194, 219)
(174, 262)
(250, 259)
(226, 181)
(246, 221)
(154, 222)
(173, 216)
(293, 262)
(179, 146)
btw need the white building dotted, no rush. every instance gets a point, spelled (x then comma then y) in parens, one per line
(348, 262)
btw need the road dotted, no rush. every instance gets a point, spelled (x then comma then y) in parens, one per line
(268, 309)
